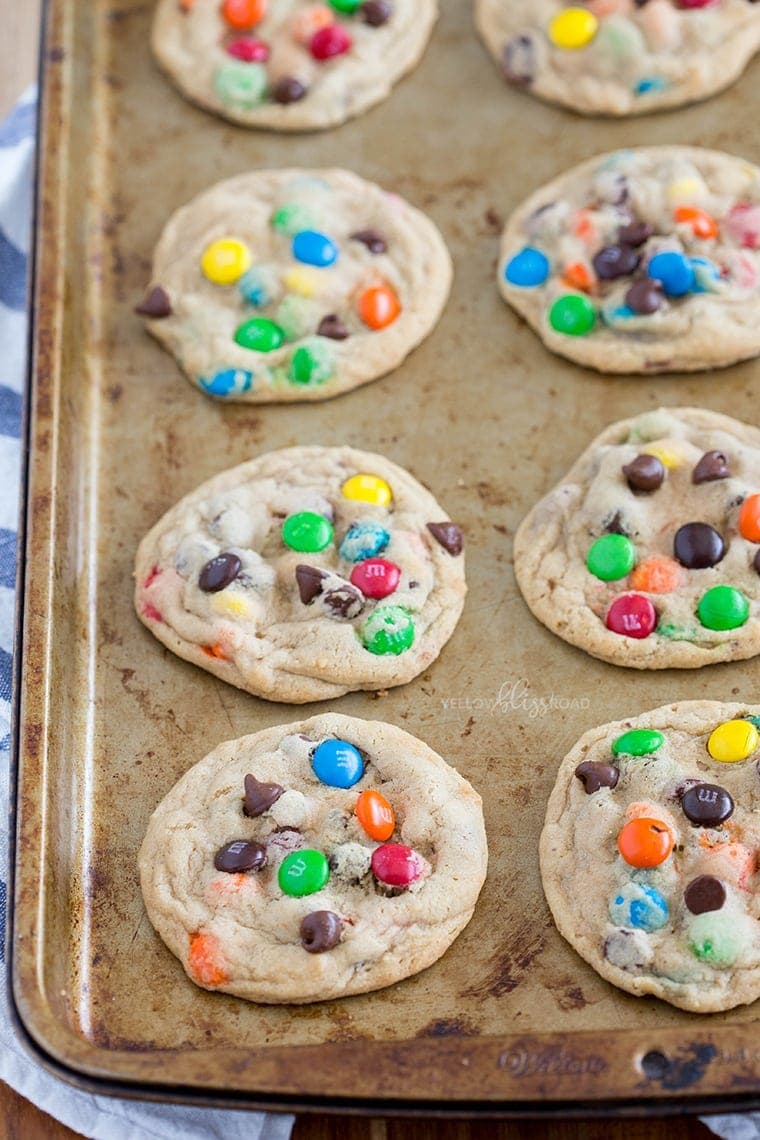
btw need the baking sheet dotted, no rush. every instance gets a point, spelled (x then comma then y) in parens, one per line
(510, 1018)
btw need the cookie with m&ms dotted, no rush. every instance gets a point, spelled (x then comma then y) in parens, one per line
(620, 57)
(286, 285)
(647, 554)
(649, 853)
(290, 65)
(305, 574)
(641, 261)
(313, 861)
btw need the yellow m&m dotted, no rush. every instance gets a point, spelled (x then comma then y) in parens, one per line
(733, 741)
(367, 489)
(230, 605)
(303, 281)
(668, 456)
(225, 261)
(574, 28)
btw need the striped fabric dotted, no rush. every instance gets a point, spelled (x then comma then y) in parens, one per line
(93, 1116)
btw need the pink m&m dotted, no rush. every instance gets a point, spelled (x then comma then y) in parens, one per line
(743, 224)
(376, 577)
(248, 49)
(397, 865)
(632, 615)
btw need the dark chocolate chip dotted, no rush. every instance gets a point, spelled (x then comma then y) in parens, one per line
(698, 545)
(240, 855)
(332, 326)
(713, 465)
(707, 805)
(376, 12)
(259, 797)
(645, 297)
(682, 788)
(518, 61)
(321, 931)
(704, 894)
(595, 775)
(344, 601)
(156, 304)
(219, 573)
(645, 473)
(616, 525)
(288, 90)
(756, 561)
(615, 261)
(448, 535)
(374, 241)
(309, 580)
(635, 233)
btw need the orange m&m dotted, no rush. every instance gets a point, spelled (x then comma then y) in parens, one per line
(658, 575)
(379, 306)
(645, 842)
(749, 519)
(703, 225)
(242, 14)
(205, 961)
(375, 815)
(579, 276)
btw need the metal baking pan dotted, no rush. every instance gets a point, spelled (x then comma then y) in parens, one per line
(510, 1020)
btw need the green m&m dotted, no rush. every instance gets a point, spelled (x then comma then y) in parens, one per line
(311, 364)
(638, 742)
(388, 629)
(572, 315)
(718, 939)
(260, 335)
(723, 607)
(612, 556)
(347, 6)
(307, 532)
(293, 218)
(303, 873)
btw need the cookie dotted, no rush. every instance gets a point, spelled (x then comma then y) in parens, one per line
(643, 260)
(295, 285)
(313, 861)
(620, 57)
(649, 853)
(305, 574)
(647, 554)
(290, 65)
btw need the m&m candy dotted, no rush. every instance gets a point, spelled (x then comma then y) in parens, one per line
(303, 873)
(326, 43)
(528, 268)
(241, 85)
(397, 865)
(573, 28)
(307, 532)
(611, 557)
(312, 363)
(749, 518)
(314, 248)
(572, 315)
(638, 742)
(378, 307)
(364, 540)
(226, 260)
(242, 14)
(712, 939)
(639, 906)
(259, 335)
(364, 488)
(723, 607)
(645, 842)
(732, 741)
(701, 224)
(376, 577)
(632, 615)
(337, 763)
(674, 271)
(388, 630)
(375, 815)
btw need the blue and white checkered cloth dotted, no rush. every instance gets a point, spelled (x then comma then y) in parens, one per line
(101, 1117)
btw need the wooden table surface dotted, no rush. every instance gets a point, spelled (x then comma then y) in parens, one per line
(19, 1120)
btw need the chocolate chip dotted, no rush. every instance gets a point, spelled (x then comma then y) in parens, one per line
(518, 61)
(697, 546)
(615, 261)
(240, 856)
(259, 797)
(288, 90)
(756, 561)
(616, 525)
(682, 788)
(635, 233)
(309, 580)
(376, 12)
(448, 535)
(645, 473)
(713, 465)
(344, 601)
(219, 573)
(595, 775)
(704, 894)
(332, 326)
(707, 805)
(645, 296)
(321, 931)
(156, 304)
(374, 241)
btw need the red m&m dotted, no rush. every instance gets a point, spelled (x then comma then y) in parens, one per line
(632, 615)
(330, 41)
(376, 577)
(397, 865)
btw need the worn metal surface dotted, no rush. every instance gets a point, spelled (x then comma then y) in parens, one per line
(109, 720)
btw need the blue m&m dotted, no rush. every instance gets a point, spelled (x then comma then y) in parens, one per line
(528, 268)
(229, 382)
(706, 274)
(674, 271)
(364, 540)
(314, 248)
(639, 906)
(337, 763)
